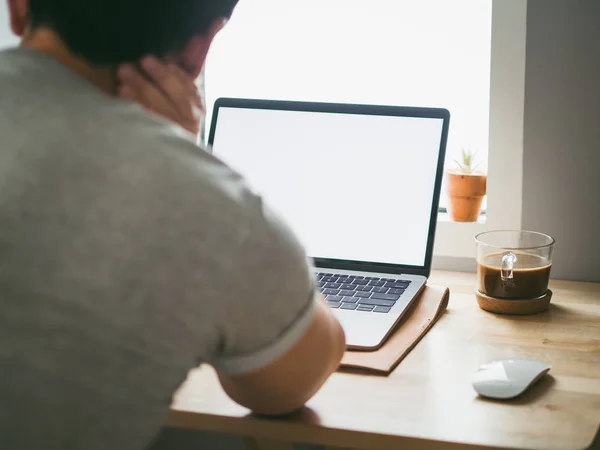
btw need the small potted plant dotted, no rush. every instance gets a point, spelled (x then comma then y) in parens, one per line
(466, 188)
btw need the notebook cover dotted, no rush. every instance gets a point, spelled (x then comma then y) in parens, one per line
(425, 312)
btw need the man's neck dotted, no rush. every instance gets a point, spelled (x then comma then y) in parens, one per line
(47, 41)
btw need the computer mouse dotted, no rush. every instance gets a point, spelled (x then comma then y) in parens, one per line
(507, 379)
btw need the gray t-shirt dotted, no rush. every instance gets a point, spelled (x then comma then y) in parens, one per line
(128, 256)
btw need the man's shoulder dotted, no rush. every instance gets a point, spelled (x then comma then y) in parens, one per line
(197, 179)
(172, 152)
(104, 147)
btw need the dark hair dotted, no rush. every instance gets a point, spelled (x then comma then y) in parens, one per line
(109, 32)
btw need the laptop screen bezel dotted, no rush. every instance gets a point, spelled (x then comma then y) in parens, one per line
(342, 108)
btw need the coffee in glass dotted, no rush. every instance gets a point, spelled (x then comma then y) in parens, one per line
(514, 265)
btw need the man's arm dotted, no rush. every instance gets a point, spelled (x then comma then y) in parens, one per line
(289, 382)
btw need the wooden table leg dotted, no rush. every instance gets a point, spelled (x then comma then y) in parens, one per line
(267, 444)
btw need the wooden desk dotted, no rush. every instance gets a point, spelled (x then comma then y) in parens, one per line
(428, 402)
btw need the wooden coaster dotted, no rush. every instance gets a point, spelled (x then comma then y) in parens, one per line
(520, 307)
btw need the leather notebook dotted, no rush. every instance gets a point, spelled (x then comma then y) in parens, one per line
(424, 313)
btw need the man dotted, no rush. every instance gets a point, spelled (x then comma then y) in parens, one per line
(128, 255)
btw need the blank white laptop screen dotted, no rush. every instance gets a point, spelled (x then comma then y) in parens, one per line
(352, 187)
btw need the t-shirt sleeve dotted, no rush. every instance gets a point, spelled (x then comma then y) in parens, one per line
(270, 301)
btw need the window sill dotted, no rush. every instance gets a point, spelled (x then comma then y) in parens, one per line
(457, 239)
(444, 217)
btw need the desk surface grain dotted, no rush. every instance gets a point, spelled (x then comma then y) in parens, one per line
(428, 401)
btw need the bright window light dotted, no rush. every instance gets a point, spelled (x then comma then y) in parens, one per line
(389, 52)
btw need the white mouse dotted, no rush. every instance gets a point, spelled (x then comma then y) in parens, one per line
(508, 378)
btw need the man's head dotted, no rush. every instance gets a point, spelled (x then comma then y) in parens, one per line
(111, 32)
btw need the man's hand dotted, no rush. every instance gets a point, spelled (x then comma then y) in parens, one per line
(165, 89)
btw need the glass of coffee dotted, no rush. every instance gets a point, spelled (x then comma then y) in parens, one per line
(514, 265)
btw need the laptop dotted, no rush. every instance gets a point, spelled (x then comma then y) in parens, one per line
(360, 187)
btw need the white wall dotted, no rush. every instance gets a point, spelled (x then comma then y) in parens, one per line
(561, 165)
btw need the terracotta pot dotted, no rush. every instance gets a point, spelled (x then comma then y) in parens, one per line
(466, 194)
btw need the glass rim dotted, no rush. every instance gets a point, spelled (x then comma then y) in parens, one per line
(500, 247)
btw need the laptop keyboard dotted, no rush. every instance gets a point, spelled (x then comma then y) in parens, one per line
(358, 293)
